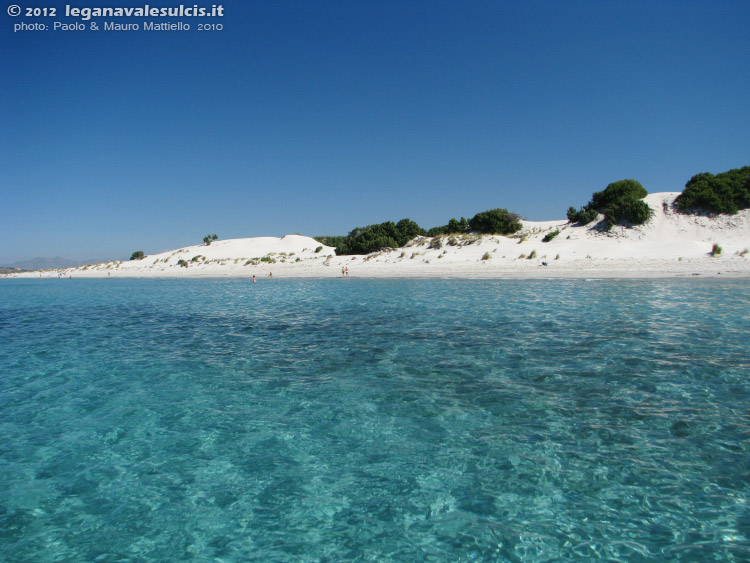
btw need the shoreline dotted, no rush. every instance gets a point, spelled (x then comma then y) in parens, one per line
(668, 245)
(738, 268)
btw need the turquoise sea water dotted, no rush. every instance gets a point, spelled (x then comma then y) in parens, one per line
(362, 420)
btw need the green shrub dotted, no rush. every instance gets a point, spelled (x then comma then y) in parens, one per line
(727, 192)
(195, 258)
(486, 256)
(364, 240)
(406, 229)
(549, 236)
(636, 212)
(138, 255)
(617, 192)
(495, 222)
(436, 243)
(532, 255)
(208, 239)
(453, 227)
(317, 250)
(619, 202)
(334, 241)
(716, 250)
(182, 263)
(583, 216)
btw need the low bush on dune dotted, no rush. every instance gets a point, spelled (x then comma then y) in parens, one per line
(495, 222)
(727, 192)
(582, 216)
(364, 240)
(454, 227)
(138, 255)
(636, 212)
(334, 241)
(549, 236)
(620, 202)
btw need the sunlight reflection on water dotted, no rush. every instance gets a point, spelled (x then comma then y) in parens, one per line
(374, 420)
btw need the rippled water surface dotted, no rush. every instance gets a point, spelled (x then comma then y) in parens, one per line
(360, 420)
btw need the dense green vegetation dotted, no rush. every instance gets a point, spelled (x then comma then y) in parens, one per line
(372, 238)
(727, 192)
(619, 202)
(495, 222)
(208, 239)
(582, 216)
(336, 241)
(138, 255)
(492, 222)
(454, 227)
(364, 240)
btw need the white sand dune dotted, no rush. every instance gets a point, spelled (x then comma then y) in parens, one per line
(668, 245)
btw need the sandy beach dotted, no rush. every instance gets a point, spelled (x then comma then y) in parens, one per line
(668, 245)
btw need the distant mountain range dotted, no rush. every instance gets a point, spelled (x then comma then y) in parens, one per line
(50, 263)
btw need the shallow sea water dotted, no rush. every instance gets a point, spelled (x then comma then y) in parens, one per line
(374, 420)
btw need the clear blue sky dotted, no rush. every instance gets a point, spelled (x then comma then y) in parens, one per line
(319, 116)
